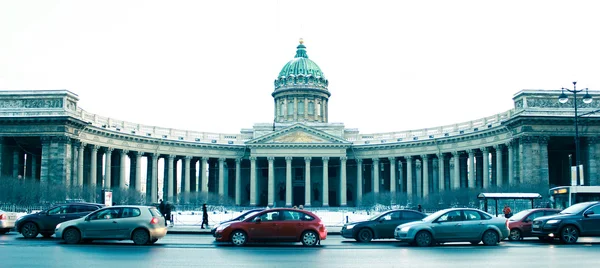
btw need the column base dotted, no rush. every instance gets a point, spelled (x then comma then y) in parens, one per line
(325, 205)
(289, 205)
(343, 205)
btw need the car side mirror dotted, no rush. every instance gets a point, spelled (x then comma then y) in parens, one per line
(588, 213)
(527, 220)
(257, 220)
(87, 218)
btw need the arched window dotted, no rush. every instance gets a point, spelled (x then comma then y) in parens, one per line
(290, 108)
(300, 107)
(311, 108)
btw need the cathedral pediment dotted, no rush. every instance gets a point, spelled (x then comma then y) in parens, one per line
(298, 134)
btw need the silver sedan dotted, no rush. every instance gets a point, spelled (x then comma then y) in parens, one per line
(142, 224)
(454, 225)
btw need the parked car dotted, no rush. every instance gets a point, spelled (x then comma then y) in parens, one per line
(142, 224)
(7, 221)
(44, 222)
(274, 225)
(582, 219)
(381, 225)
(520, 223)
(241, 217)
(454, 225)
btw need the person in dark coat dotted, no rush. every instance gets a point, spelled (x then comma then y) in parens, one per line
(204, 217)
(419, 208)
(161, 207)
(168, 215)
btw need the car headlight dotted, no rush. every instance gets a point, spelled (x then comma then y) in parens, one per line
(58, 226)
(552, 221)
(348, 227)
(404, 229)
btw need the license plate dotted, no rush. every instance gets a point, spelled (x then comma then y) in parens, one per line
(535, 226)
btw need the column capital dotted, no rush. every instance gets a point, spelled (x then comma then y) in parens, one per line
(440, 155)
(271, 158)
(343, 158)
(425, 156)
(408, 157)
(123, 152)
(94, 147)
(222, 159)
(456, 154)
(252, 158)
(138, 153)
(171, 157)
(470, 152)
(325, 158)
(375, 160)
(154, 155)
(188, 157)
(392, 159)
(434, 163)
(358, 160)
(418, 164)
(484, 149)
(307, 158)
(238, 160)
(288, 158)
(498, 147)
(205, 158)
(109, 150)
(400, 164)
(544, 140)
(526, 139)
(509, 143)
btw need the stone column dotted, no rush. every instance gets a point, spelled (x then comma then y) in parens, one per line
(471, 168)
(593, 171)
(486, 167)
(79, 165)
(170, 177)
(499, 175)
(400, 176)
(187, 170)
(343, 201)
(93, 165)
(409, 176)
(425, 175)
(34, 169)
(1, 156)
(271, 182)
(359, 179)
(252, 180)
(238, 181)
(376, 175)
(222, 177)
(307, 198)
(392, 177)
(288, 181)
(108, 168)
(418, 178)
(305, 109)
(16, 171)
(123, 176)
(435, 176)
(441, 172)
(511, 164)
(138, 172)
(544, 171)
(456, 179)
(45, 163)
(295, 109)
(154, 178)
(325, 181)
(451, 173)
(205, 175)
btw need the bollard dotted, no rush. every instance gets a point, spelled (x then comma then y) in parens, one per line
(346, 218)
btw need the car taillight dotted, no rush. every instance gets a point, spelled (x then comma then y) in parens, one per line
(154, 220)
(2, 216)
(507, 226)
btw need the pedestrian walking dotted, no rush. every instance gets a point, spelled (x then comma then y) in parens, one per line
(168, 215)
(419, 208)
(507, 211)
(161, 208)
(204, 217)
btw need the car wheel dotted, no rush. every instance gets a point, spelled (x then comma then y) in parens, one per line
(239, 238)
(47, 235)
(515, 235)
(29, 230)
(140, 237)
(423, 239)
(569, 234)
(72, 236)
(364, 235)
(309, 238)
(490, 238)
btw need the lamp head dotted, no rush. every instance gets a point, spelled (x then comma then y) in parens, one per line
(563, 97)
(587, 98)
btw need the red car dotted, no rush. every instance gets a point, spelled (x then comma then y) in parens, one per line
(520, 223)
(274, 225)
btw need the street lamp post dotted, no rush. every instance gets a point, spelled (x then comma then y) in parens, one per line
(587, 98)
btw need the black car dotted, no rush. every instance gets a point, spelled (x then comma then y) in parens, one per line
(380, 226)
(581, 219)
(241, 217)
(44, 222)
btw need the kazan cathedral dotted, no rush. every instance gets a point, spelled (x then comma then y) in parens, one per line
(301, 158)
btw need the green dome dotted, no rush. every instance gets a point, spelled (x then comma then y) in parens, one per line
(301, 65)
(301, 72)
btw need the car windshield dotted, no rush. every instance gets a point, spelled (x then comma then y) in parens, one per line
(248, 215)
(435, 215)
(574, 209)
(519, 216)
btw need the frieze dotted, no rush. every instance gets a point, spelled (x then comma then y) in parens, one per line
(31, 104)
(519, 104)
(554, 103)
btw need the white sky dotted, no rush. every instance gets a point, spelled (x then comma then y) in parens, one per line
(210, 65)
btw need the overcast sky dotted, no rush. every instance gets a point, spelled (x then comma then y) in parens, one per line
(210, 65)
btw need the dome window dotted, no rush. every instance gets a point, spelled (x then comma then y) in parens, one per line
(301, 107)
(311, 108)
(290, 108)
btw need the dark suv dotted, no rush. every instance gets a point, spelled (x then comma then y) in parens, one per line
(581, 219)
(44, 222)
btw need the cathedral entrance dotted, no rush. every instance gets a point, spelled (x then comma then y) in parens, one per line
(298, 196)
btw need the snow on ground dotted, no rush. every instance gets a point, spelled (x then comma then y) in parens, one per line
(329, 218)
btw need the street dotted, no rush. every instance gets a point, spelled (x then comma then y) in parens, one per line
(186, 250)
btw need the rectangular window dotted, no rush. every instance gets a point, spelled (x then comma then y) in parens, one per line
(300, 107)
(311, 108)
(290, 108)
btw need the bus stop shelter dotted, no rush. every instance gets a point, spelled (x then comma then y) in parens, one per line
(514, 198)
